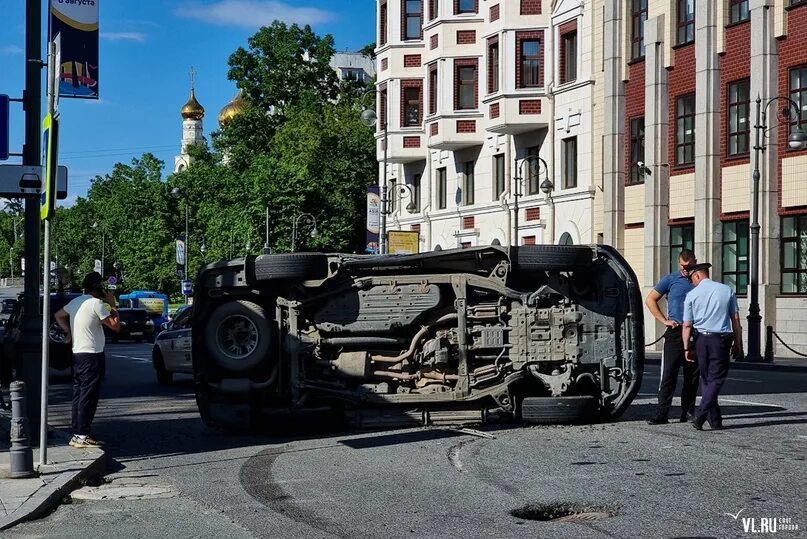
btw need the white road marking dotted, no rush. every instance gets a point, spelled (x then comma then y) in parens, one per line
(127, 357)
(801, 436)
(473, 432)
(745, 380)
(751, 403)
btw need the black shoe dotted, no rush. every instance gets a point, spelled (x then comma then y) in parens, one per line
(697, 424)
(657, 420)
(686, 416)
(719, 426)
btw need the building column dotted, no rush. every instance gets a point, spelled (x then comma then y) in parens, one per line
(657, 184)
(613, 128)
(708, 228)
(765, 83)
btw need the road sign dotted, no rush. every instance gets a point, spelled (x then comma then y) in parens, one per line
(4, 127)
(97, 266)
(25, 180)
(112, 280)
(112, 286)
(187, 288)
(50, 158)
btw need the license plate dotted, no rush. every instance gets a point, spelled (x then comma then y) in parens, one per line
(136, 333)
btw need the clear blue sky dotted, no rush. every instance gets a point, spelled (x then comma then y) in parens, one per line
(146, 51)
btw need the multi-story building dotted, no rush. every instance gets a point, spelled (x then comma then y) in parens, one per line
(467, 90)
(681, 81)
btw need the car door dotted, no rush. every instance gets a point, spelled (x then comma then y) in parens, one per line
(177, 351)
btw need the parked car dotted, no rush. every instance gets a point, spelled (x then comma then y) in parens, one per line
(8, 305)
(172, 347)
(542, 333)
(135, 325)
(60, 355)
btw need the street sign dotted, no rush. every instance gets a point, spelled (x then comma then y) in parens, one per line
(24, 180)
(112, 286)
(187, 288)
(50, 158)
(4, 127)
(112, 280)
(97, 266)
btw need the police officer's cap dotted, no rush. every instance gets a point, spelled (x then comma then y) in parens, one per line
(699, 267)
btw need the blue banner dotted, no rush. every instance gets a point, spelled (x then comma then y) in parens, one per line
(77, 23)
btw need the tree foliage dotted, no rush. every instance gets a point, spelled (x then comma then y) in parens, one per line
(298, 147)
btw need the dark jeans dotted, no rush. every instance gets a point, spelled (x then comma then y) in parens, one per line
(714, 358)
(670, 365)
(88, 371)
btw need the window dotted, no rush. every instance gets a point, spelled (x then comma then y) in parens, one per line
(638, 17)
(533, 171)
(382, 109)
(413, 19)
(569, 57)
(681, 237)
(353, 73)
(411, 107)
(468, 184)
(636, 150)
(569, 150)
(498, 176)
(393, 194)
(739, 11)
(794, 254)
(433, 89)
(735, 255)
(415, 185)
(686, 21)
(493, 67)
(530, 63)
(466, 6)
(798, 93)
(466, 87)
(685, 130)
(382, 24)
(565, 239)
(738, 128)
(442, 189)
(797, 2)
(434, 9)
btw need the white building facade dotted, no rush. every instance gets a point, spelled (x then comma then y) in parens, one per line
(467, 90)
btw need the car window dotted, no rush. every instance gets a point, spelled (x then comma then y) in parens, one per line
(183, 320)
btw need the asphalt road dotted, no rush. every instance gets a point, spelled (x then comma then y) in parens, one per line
(169, 476)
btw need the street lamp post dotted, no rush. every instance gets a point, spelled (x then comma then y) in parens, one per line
(370, 118)
(178, 193)
(796, 141)
(296, 225)
(266, 249)
(519, 178)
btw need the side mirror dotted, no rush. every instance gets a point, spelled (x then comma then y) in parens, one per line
(165, 325)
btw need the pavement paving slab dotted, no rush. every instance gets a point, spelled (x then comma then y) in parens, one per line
(68, 468)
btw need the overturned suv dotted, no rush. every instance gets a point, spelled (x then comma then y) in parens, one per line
(542, 333)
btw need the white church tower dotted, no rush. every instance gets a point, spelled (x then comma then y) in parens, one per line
(192, 130)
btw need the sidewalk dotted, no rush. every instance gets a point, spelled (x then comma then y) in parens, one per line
(779, 364)
(67, 469)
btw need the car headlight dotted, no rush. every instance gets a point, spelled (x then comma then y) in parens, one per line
(150, 323)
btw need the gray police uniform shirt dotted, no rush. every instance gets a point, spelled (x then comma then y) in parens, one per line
(710, 306)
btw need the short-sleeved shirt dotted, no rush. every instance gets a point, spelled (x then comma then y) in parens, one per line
(86, 313)
(710, 307)
(675, 286)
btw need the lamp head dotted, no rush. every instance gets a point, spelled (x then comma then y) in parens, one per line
(314, 232)
(797, 140)
(176, 192)
(547, 186)
(411, 207)
(369, 117)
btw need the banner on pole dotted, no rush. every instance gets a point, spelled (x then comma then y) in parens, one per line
(373, 219)
(181, 251)
(97, 266)
(77, 22)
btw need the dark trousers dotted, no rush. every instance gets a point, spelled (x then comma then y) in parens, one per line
(88, 371)
(714, 358)
(671, 364)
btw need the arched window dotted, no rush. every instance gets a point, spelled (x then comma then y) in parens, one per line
(566, 239)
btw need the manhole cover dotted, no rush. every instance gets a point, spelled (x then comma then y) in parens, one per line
(563, 512)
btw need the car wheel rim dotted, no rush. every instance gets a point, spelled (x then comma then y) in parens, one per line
(237, 336)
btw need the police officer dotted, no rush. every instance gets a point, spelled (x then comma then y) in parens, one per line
(675, 286)
(711, 310)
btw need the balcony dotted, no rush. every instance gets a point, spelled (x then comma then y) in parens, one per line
(515, 113)
(405, 146)
(456, 131)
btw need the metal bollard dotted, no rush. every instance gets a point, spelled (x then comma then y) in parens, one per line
(21, 455)
(768, 357)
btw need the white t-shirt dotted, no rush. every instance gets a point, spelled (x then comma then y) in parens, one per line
(86, 313)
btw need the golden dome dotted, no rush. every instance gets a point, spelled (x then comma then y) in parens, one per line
(232, 109)
(192, 110)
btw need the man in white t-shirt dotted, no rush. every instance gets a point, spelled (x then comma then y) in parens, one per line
(83, 321)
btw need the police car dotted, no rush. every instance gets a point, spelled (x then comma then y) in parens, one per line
(172, 347)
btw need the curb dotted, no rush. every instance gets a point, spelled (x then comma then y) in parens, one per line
(50, 495)
(748, 366)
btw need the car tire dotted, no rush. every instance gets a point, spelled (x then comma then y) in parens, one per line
(558, 410)
(164, 377)
(238, 335)
(296, 266)
(554, 257)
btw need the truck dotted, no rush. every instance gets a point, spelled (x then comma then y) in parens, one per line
(153, 302)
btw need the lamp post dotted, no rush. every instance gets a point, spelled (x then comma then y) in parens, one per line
(402, 189)
(96, 226)
(370, 118)
(178, 193)
(266, 249)
(796, 141)
(518, 179)
(296, 225)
